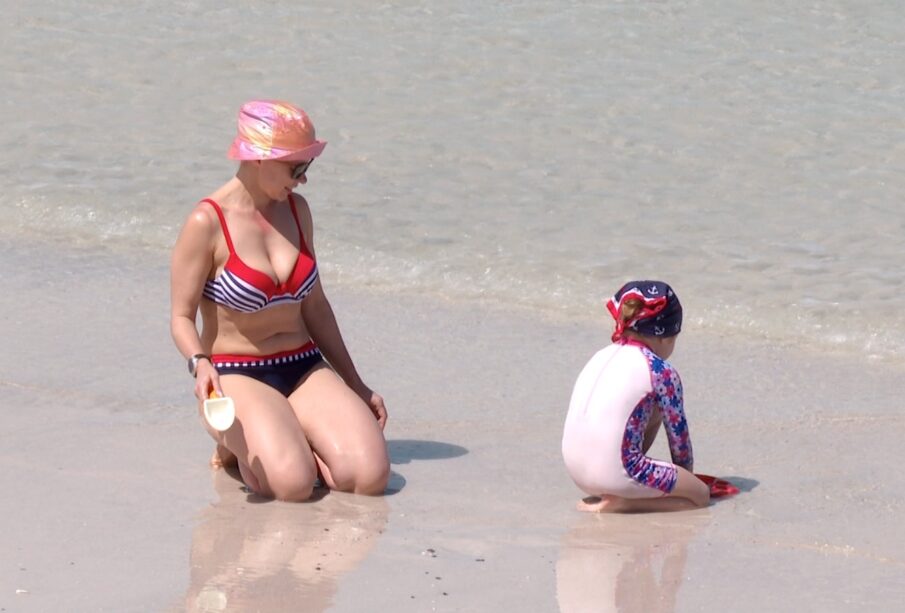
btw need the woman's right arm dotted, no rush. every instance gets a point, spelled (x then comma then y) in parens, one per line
(190, 266)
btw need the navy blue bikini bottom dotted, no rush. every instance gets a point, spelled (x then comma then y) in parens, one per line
(281, 371)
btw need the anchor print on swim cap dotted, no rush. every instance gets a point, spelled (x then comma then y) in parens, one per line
(660, 313)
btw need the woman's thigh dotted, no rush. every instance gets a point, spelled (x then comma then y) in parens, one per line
(341, 429)
(268, 439)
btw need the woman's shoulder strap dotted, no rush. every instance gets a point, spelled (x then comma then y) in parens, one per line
(219, 211)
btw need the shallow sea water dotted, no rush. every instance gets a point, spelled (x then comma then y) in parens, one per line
(534, 154)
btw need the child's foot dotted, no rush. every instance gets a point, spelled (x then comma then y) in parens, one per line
(223, 458)
(596, 504)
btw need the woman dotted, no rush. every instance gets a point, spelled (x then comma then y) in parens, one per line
(245, 258)
(620, 399)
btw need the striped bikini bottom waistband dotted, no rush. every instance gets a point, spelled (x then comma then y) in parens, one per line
(307, 350)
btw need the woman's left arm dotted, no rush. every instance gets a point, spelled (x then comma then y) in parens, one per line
(324, 331)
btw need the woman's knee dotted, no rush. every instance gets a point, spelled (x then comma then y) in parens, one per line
(374, 480)
(298, 490)
(369, 478)
(288, 480)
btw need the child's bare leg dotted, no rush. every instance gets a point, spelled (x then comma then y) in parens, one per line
(689, 493)
(600, 504)
(615, 504)
(691, 488)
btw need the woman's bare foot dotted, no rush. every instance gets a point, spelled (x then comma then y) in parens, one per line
(223, 458)
(597, 504)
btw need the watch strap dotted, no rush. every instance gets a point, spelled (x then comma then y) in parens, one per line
(193, 362)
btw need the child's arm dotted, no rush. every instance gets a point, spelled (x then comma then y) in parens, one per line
(668, 387)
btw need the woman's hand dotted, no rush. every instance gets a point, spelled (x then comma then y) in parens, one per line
(206, 379)
(375, 403)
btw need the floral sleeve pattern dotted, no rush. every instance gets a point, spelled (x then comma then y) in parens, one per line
(668, 397)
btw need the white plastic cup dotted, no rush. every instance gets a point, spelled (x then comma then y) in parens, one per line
(220, 412)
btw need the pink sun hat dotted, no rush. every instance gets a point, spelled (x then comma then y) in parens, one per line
(274, 130)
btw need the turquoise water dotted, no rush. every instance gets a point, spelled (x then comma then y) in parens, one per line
(535, 154)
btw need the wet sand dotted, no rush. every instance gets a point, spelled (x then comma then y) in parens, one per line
(109, 505)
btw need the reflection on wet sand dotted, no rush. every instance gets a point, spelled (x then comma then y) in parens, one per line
(277, 556)
(625, 563)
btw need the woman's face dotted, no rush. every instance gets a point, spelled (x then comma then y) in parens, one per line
(276, 177)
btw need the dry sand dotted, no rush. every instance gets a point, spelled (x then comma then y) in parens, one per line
(108, 504)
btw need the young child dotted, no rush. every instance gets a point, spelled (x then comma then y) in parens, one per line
(620, 399)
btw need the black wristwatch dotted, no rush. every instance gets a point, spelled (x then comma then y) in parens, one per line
(193, 362)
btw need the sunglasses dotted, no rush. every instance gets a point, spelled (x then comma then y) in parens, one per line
(299, 170)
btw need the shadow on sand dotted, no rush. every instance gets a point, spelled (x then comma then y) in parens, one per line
(404, 451)
(742, 483)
